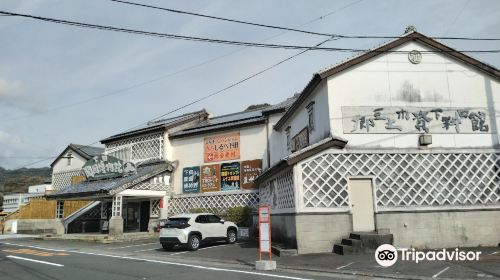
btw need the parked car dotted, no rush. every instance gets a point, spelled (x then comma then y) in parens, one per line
(193, 229)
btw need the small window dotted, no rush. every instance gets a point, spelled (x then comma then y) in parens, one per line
(202, 219)
(213, 219)
(310, 114)
(288, 139)
(69, 156)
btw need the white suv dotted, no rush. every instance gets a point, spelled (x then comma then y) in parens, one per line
(193, 229)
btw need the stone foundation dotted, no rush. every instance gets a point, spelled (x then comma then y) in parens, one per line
(442, 229)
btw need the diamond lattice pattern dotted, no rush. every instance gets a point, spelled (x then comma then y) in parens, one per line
(61, 180)
(184, 204)
(137, 149)
(405, 180)
(278, 192)
(154, 208)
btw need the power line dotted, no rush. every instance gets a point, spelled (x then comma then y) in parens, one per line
(227, 42)
(288, 28)
(173, 73)
(224, 19)
(199, 99)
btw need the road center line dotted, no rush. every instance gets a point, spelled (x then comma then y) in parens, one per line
(171, 263)
(144, 244)
(494, 253)
(340, 267)
(439, 273)
(32, 260)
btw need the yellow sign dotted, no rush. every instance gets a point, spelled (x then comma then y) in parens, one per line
(222, 147)
(35, 252)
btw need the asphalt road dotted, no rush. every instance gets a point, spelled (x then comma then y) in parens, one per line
(25, 259)
(28, 258)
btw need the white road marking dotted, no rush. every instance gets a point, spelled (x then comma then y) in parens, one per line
(183, 252)
(145, 250)
(169, 263)
(439, 273)
(212, 247)
(340, 267)
(32, 260)
(144, 244)
(494, 253)
(36, 247)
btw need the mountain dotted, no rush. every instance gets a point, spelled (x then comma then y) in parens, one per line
(18, 180)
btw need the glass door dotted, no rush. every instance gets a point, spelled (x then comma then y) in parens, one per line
(132, 216)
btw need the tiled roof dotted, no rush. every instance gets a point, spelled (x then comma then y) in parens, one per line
(159, 124)
(109, 187)
(235, 119)
(87, 152)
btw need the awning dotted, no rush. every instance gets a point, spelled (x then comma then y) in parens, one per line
(109, 187)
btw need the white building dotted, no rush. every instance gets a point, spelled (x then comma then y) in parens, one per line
(400, 139)
(12, 202)
(67, 167)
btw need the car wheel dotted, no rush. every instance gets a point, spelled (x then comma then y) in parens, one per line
(194, 242)
(231, 236)
(167, 246)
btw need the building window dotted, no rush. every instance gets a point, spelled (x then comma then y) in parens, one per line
(288, 139)
(60, 210)
(310, 114)
(69, 156)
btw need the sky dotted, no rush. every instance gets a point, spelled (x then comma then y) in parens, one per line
(62, 84)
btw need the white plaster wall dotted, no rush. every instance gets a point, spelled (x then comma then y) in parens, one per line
(442, 82)
(299, 120)
(189, 150)
(277, 141)
(62, 163)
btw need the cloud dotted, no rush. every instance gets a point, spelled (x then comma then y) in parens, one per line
(16, 94)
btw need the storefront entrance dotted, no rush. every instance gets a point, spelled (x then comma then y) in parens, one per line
(136, 217)
(132, 217)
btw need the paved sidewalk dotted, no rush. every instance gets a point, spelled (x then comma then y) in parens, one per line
(15, 236)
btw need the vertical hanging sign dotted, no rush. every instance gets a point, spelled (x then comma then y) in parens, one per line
(264, 231)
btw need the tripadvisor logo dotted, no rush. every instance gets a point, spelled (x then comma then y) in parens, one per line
(387, 255)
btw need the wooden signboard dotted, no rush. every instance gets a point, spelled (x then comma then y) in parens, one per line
(250, 169)
(300, 140)
(222, 147)
(191, 179)
(210, 178)
(230, 176)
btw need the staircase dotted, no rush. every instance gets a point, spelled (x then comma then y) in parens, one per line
(359, 242)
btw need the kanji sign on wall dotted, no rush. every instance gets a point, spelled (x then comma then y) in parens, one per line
(222, 147)
(250, 169)
(210, 178)
(191, 179)
(230, 176)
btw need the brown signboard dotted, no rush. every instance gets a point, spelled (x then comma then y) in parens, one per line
(210, 178)
(222, 147)
(300, 140)
(250, 169)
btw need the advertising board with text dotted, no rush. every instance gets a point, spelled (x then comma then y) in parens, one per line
(191, 179)
(221, 147)
(210, 178)
(250, 169)
(230, 176)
